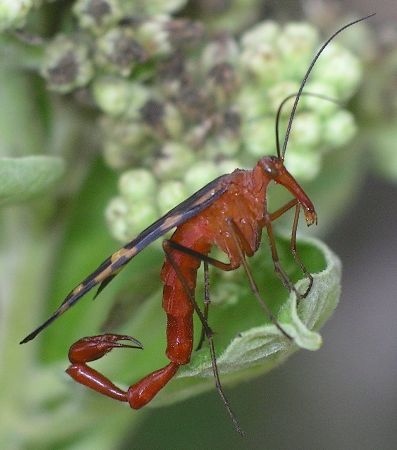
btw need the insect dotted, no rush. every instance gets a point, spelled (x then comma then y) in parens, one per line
(229, 213)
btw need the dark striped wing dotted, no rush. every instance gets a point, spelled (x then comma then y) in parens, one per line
(113, 265)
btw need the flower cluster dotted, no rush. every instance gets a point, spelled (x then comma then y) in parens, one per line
(214, 111)
(179, 107)
(13, 13)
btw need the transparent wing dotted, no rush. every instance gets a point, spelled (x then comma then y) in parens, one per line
(109, 268)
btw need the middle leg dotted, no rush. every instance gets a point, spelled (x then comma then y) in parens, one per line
(207, 302)
(167, 246)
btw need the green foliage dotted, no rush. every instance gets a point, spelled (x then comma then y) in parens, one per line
(24, 178)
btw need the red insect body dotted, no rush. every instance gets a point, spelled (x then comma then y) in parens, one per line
(229, 213)
(243, 203)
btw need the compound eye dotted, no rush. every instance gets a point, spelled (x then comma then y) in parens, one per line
(271, 170)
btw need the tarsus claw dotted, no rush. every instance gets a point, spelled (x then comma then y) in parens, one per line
(94, 347)
(123, 337)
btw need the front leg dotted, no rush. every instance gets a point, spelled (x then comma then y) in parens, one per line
(277, 264)
(275, 215)
(296, 256)
(243, 248)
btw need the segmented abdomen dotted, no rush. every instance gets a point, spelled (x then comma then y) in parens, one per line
(176, 301)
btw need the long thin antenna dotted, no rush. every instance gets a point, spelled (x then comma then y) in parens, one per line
(291, 117)
(280, 108)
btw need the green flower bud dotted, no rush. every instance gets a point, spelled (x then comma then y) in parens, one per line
(222, 145)
(173, 160)
(119, 97)
(134, 185)
(141, 215)
(126, 143)
(111, 95)
(172, 73)
(162, 118)
(279, 92)
(306, 130)
(258, 137)
(320, 106)
(339, 129)
(96, 15)
(115, 215)
(260, 56)
(197, 135)
(296, 43)
(116, 209)
(116, 156)
(119, 230)
(13, 13)
(222, 83)
(170, 194)
(153, 36)
(66, 65)
(125, 133)
(172, 121)
(252, 102)
(340, 68)
(226, 140)
(262, 62)
(263, 32)
(305, 165)
(221, 50)
(118, 51)
(200, 174)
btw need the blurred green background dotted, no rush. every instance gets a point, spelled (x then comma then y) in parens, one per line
(97, 94)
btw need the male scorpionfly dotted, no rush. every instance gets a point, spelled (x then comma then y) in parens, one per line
(229, 213)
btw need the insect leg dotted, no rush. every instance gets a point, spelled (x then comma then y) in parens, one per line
(208, 332)
(279, 212)
(296, 256)
(294, 249)
(169, 244)
(207, 302)
(242, 246)
(276, 261)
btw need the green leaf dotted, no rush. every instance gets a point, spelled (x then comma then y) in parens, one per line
(260, 349)
(24, 178)
(247, 344)
(24, 112)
